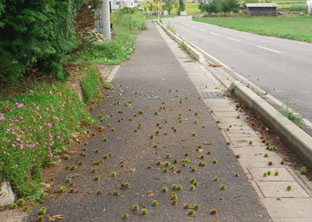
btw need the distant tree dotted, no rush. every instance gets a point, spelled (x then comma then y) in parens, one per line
(170, 4)
(225, 7)
(181, 6)
(151, 7)
(229, 5)
(201, 6)
(215, 6)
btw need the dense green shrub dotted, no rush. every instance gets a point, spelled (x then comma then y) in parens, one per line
(36, 35)
(216, 6)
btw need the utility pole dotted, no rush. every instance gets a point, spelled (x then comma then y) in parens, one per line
(105, 17)
(158, 8)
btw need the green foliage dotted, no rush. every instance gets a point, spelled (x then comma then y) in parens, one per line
(151, 7)
(126, 27)
(229, 5)
(127, 10)
(33, 128)
(181, 6)
(297, 8)
(90, 84)
(36, 35)
(169, 5)
(292, 115)
(216, 6)
(213, 6)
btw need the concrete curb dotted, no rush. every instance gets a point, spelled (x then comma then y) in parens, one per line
(198, 56)
(298, 140)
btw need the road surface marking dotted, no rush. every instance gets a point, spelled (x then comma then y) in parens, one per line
(237, 40)
(213, 33)
(203, 30)
(113, 73)
(272, 50)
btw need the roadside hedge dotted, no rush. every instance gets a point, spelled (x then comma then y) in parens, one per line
(36, 35)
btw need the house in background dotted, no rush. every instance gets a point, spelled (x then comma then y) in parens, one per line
(116, 4)
(261, 8)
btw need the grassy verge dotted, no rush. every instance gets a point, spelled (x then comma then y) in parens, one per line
(126, 27)
(296, 28)
(90, 84)
(34, 127)
(38, 117)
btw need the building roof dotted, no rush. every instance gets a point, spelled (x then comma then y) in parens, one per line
(261, 5)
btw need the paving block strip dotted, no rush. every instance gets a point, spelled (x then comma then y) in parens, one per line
(278, 185)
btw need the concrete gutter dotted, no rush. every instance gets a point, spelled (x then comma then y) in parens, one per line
(194, 52)
(297, 140)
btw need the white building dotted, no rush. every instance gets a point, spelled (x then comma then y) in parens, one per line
(309, 7)
(116, 4)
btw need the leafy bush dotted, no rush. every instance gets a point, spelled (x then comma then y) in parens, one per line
(216, 6)
(33, 128)
(36, 35)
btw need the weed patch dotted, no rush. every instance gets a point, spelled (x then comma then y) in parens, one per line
(292, 115)
(90, 84)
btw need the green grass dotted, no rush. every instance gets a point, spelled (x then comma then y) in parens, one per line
(90, 84)
(35, 126)
(126, 27)
(296, 28)
(293, 116)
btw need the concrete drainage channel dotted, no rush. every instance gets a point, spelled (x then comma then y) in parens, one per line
(266, 170)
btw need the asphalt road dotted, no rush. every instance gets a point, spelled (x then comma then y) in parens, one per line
(282, 68)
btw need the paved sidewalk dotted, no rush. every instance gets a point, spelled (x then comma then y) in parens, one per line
(169, 122)
(269, 177)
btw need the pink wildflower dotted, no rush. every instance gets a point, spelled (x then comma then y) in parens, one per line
(19, 105)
